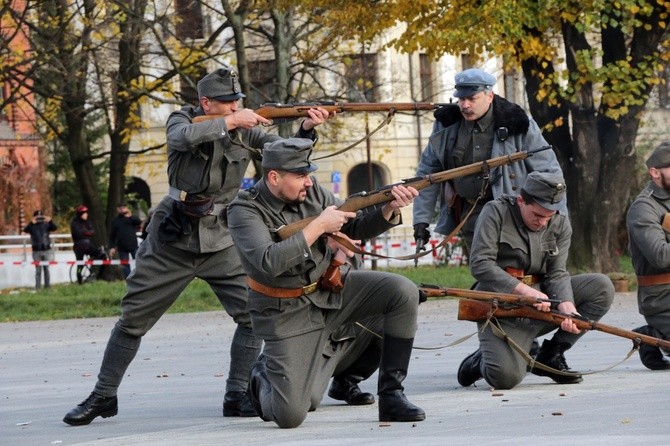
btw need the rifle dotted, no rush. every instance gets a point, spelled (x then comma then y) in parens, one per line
(275, 110)
(477, 311)
(518, 299)
(383, 194)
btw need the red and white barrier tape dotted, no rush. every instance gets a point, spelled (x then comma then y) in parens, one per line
(68, 262)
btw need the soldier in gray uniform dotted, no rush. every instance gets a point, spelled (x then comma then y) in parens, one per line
(297, 304)
(188, 238)
(482, 125)
(648, 223)
(521, 246)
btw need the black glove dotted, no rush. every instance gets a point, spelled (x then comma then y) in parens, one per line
(421, 234)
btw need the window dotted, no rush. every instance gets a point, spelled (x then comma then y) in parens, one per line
(426, 77)
(190, 24)
(361, 78)
(262, 79)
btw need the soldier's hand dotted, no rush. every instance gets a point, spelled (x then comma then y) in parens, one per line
(421, 233)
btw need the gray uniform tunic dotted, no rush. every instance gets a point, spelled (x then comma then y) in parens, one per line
(204, 160)
(649, 248)
(522, 133)
(303, 338)
(503, 240)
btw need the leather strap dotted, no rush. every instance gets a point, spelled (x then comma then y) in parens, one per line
(528, 279)
(655, 279)
(281, 293)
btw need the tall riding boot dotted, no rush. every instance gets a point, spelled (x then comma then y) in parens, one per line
(651, 356)
(551, 355)
(244, 351)
(393, 404)
(345, 385)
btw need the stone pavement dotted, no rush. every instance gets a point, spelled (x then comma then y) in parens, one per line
(173, 391)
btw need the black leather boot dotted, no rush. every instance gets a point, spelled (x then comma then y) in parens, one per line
(346, 389)
(238, 404)
(551, 355)
(652, 357)
(393, 404)
(259, 387)
(470, 369)
(345, 385)
(93, 406)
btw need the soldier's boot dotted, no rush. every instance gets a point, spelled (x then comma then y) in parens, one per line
(345, 385)
(393, 404)
(470, 369)
(551, 355)
(652, 357)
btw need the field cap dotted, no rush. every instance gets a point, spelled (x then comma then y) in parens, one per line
(547, 189)
(472, 81)
(291, 155)
(221, 85)
(660, 157)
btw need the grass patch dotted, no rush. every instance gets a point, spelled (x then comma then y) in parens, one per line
(102, 299)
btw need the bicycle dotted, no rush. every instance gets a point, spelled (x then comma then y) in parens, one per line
(451, 253)
(89, 272)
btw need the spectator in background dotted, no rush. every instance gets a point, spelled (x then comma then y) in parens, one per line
(81, 229)
(123, 236)
(39, 229)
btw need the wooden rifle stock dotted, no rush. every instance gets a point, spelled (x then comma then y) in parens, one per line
(383, 194)
(272, 110)
(519, 299)
(477, 311)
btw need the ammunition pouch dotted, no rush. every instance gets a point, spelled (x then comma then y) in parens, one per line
(331, 279)
(175, 225)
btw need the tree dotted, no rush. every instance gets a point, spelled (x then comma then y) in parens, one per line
(589, 67)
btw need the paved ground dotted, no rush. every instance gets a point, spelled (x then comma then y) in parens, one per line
(174, 389)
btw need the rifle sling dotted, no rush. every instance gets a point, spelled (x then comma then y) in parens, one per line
(347, 244)
(351, 146)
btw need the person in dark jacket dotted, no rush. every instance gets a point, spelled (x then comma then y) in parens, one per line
(81, 229)
(123, 236)
(39, 228)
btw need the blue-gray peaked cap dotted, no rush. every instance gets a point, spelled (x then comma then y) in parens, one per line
(221, 85)
(547, 189)
(472, 81)
(291, 155)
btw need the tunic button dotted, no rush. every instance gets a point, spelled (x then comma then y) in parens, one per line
(512, 175)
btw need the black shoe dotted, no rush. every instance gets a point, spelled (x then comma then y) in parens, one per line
(470, 369)
(652, 357)
(551, 355)
(238, 404)
(92, 407)
(393, 404)
(258, 385)
(348, 391)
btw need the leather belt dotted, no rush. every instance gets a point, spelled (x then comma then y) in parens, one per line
(528, 279)
(654, 279)
(281, 292)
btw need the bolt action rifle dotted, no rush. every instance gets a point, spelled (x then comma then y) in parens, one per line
(479, 306)
(383, 194)
(274, 110)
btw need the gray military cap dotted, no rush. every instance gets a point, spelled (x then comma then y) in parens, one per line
(547, 189)
(221, 85)
(472, 81)
(291, 155)
(660, 157)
